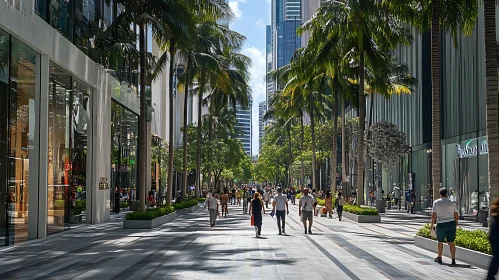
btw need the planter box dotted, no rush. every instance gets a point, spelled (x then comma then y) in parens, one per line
(362, 218)
(475, 258)
(187, 210)
(148, 224)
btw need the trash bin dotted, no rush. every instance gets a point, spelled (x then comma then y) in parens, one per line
(380, 205)
(483, 216)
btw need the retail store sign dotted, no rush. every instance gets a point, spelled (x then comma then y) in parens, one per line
(473, 147)
(103, 183)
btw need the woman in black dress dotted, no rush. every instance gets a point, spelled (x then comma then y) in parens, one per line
(256, 208)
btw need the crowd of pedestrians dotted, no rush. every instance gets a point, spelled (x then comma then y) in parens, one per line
(256, 201)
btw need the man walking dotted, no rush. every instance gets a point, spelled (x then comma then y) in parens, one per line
(444, 214)
(212, 203)
(305, 210)
(397, 195)
(280, 204)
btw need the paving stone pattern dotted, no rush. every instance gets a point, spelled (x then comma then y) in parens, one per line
(188, 248)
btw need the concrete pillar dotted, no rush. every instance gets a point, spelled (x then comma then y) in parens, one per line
(99, 163)
(37, 208)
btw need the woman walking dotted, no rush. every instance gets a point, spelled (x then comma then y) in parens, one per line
(256, 208)
(339, 205)
(329, 204)
(494, 239)
(224, 201)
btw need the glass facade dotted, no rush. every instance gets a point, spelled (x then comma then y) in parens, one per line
(69, 115)
(77, 20)
(18, 72)
(465, 166)
(124, 142)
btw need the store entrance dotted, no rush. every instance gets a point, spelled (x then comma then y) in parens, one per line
(69, 115)
(466, 194)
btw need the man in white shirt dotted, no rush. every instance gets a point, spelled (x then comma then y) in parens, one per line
(305, 210)
(280, 204)
(212, 203)
(444, 214)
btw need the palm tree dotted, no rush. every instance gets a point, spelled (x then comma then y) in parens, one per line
(281, 116)
(374, 31)
(207, 67)
(142, 13)
(450, 16)
(492, 97)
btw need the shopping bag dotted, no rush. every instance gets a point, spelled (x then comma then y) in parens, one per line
(252, 220)
(433, 233)
(272, 213)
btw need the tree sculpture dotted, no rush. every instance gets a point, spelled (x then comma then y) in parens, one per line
(387, 144)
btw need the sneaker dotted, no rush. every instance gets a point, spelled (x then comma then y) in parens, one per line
(453, 262)
(438, 260)
(283, 232)
(309, 231)
(280, 233)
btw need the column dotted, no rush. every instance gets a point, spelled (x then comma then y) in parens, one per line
(37, 208)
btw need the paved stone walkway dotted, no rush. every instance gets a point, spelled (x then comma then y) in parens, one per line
(188, 248)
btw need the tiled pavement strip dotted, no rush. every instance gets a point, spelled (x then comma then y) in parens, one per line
(188, 248)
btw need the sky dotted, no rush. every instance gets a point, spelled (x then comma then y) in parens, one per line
(251, 18)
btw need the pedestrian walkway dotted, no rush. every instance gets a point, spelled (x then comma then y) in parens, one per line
(188, 248)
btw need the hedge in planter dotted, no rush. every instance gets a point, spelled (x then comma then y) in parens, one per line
(476, 240)
(201, 199)
(186, 204)
(150, 214)
(360, 210)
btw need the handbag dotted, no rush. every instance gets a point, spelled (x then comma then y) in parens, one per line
(252, 220)
(433, 233)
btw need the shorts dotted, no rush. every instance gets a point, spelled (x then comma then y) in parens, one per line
(446, 231)
(307, 215)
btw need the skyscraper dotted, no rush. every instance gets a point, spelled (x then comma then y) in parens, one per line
(262, 108)
(309, 7)
(268, 58)
(285, 19)
(244, 126)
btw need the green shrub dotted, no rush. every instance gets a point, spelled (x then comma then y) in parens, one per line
(201, 199)
(123, 204)
(360, 210)
(476, 240)
(80, 206)
(321, 202)
(150, 214)
(185, 204)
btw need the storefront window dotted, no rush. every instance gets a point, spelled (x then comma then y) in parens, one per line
(5, 201)
(465, 170)
(69, 115)
(124, 132)
(17, 118)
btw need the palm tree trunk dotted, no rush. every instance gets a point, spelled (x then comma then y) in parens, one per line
(435, 98)
(334, 146)
(362, 127)
(170, 136)
(186, 104)
(343, 147)
(312, 128)
(142, 141)
(200, 109)
(210, 135)
(492, 97)
(302, 136)
(290, 184)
